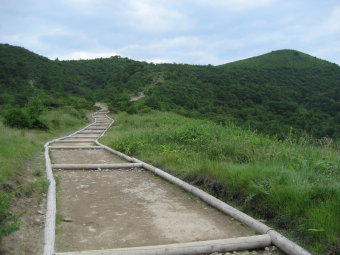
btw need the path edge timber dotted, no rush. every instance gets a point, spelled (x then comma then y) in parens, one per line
(51, 207)
(277, 239)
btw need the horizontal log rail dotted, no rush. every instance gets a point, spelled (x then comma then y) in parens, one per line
(75, 147)
(203, 247)
(96, 166)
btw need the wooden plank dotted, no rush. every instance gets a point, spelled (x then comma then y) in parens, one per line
(203, 247)
(90, 132)
(96, 128)
(96, 166)
(74, 141)
(89, 137)
(75, 147)
(51, 208)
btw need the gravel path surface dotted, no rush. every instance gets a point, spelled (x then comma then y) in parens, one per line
(106, 209)
(127, 208)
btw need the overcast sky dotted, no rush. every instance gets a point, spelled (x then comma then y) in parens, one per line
(181, 31)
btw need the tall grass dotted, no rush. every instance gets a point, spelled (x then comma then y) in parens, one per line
(18, 146)
(294, 185)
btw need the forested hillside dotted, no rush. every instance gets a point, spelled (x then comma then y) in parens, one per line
(281, 93)
(285, 177)
(270, 93)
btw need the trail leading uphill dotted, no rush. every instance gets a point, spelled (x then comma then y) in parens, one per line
(111, 204)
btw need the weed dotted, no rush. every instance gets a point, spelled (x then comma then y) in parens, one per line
(40, 186)
(292, 183)
(8, 222)
(37, 173)
(17, 146)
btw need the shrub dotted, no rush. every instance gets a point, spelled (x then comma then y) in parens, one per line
(145, 109)
(24, 118)
(18, 118)
(131, 109)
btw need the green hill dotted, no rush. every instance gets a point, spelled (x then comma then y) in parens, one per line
(285, 179)
(281, 93)
(276, 93)
(282, 58)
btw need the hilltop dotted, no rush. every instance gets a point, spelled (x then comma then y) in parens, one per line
(278, 93)
(284, 178)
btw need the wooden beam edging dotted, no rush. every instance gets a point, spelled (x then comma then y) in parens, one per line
(122, 155)
(201, 247)
(50, 218)
(96, 166)
(74, 141)
(110, 124)
(277, 239)
(220, 205)
(90, 128)
(88, 137)
(49, 231)
(99, 125)
(87, 131)
(75, 147)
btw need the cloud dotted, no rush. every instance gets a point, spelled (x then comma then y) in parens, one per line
(89, 8)
(84, 3)
(31, 42)
(155, 16)
(330, 25)
(236, 5)
(181, 49)
(187, 31)
(159, 61)
(81, 2)
(331, 53)
(76, 55)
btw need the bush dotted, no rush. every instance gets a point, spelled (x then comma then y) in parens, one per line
(131, 109)
(18, 118)
(23, 118)
(145, 109)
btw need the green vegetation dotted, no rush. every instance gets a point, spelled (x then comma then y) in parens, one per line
(292, 184)
(281, 93)
(18, 146)
(277, 93)
(265, 134)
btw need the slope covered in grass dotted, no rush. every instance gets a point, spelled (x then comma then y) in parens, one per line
(278, 93)
(293, 185)
(275, 93)
(17, 147)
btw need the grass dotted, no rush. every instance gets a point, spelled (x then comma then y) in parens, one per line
(293, 185)
(16, 147)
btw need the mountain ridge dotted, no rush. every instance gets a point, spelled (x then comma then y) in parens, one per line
(271, 93)
(283, 55)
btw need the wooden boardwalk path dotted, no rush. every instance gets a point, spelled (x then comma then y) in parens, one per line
(116, 204)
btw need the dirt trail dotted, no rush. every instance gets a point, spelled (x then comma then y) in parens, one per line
(127, 208)
(105, 209)
(88, 156)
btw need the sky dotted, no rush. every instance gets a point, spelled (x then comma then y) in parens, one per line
(174, 31)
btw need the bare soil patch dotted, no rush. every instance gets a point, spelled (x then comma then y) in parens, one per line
(127, 208)
(74, 138)
(87, 135)
(84, 156)
(73, 144)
